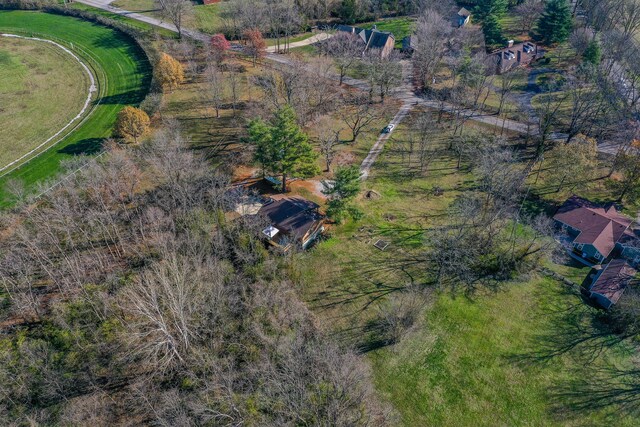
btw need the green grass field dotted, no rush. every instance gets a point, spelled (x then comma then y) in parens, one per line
(32, 73)
(205, 18)
(481, 361)
(122, 70)
(400, 27)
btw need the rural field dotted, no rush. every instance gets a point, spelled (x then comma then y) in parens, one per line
(37, 80)
(119, 65)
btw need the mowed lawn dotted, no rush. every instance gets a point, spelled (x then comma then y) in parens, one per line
(32, 74)
(477, 362)
(123, 74)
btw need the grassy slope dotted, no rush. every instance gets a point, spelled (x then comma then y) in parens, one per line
(400, 27)
(120, 18)
(31, 75)
(123, 74)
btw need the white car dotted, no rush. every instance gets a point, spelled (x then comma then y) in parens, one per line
(389, 128)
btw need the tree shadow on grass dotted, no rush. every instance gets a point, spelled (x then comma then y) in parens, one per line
(86, 146)
(608, 388)
(575, 328)
(132, 97)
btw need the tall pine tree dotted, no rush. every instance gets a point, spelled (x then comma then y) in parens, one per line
(555, 23)
(485, 8)
(492, 31)
(282, 147)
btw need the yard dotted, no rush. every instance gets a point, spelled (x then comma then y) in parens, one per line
(400, 27)
(205, 18)
(482, 360)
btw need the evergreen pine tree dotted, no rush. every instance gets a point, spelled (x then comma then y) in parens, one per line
(485, 8)
(342, 191)
(554, 26)
(348, 11)
(492, 31)
(282, 147)
(592, 53)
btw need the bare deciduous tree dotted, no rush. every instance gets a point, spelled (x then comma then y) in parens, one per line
(432, 35)
(359, 116)
(176, 11)
(346, 50)
(328, 140)
(215, 87)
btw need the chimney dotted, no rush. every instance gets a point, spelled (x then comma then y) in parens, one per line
(375, 27)
(510, 43)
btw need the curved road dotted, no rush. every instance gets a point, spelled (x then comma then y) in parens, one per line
(404, 92)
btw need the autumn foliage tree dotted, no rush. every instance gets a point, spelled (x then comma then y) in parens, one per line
(168, 72)
(255, 45)
(219, 47)
(132, 122)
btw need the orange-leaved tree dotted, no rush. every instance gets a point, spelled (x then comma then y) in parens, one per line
(219, 47)
(168, 72)
(132, 122)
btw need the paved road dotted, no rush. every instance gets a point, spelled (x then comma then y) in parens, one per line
(365, 167)
(106, 5)
(404, 92)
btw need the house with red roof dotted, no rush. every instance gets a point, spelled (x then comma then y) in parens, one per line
(596, 232)
(609, 282)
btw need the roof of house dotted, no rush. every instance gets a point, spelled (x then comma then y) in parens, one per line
(599, 225)
(612, 281)
(464, 12)
(373, 38)
(293, 216)
(347, 28)
(409, 42)
(376, 39)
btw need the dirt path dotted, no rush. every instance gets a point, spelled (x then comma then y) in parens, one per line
(311, 40)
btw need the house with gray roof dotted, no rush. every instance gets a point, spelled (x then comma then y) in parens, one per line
(383, 41)
(463, 17)
(292, 221)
